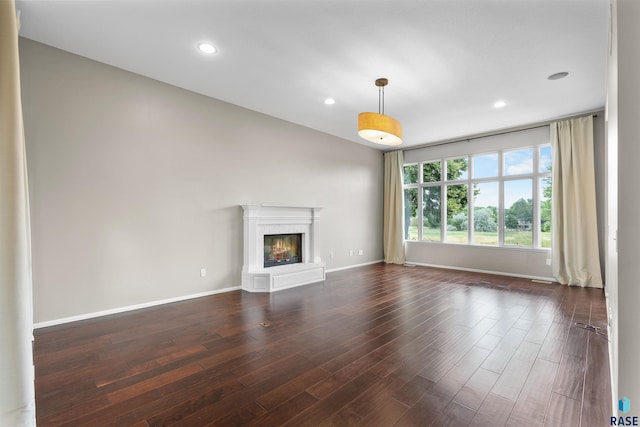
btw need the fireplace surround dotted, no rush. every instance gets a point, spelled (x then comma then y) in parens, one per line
(264, 222)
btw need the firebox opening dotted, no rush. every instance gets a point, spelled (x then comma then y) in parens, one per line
(282, 249)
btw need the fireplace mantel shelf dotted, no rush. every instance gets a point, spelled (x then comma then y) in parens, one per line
(261, 220)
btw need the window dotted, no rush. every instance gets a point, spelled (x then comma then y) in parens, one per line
(518, 162)
(457, 213)
(485, 165)
(410, 202)
(518, 213)
(545, 159)
(544, 198)
(457, 169)
(500, 198)
(432, 172)
(411, 174)
(485, 213)
(431, 213)
(411, 214)
(545, 212)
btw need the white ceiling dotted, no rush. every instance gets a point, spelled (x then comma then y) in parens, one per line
(447, 61)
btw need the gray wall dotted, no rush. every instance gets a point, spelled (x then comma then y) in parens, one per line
(611, 284)
(624, 131)
(136, 185)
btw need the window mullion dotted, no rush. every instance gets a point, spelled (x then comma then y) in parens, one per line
(535, 198)
(469, 202)
(501, 198)
(443, 212)
(443, 201)
(470, 207)
(419, 209)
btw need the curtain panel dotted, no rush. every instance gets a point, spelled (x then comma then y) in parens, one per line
(575, 259)
(393, 240)
(17, 396)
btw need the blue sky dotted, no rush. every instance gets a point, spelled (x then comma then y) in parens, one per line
(513, 190)
(515, 163)
(485, 166)
(545, 158)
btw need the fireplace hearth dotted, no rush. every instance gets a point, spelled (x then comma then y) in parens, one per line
(281, 247)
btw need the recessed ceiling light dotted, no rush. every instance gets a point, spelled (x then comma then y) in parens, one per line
(558, 76)
(500, 104)
(207, 48)
(329, 101)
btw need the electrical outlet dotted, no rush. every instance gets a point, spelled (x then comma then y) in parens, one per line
(203, 272)
(351, 252)
(331, 254)
(360, 252)
(548, 261)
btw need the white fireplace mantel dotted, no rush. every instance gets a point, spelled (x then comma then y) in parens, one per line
(260, 220)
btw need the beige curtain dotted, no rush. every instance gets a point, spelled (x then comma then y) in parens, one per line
(17, 397)
(393, 239)
(575, 259)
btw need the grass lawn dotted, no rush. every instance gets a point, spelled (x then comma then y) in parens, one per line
(511, 238)
(457, 237)
(518, 238)
(480, 238)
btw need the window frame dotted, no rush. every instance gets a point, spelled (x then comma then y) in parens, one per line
(536, 197)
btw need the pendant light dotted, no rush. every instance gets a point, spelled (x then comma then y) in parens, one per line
(378, 128)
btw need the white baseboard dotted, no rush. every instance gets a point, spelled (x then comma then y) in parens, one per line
(475, 270)
(354, 266)
(159, 302)
(235, 288)
(130, 308)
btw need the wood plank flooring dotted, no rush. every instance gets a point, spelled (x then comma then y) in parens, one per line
(382, 345)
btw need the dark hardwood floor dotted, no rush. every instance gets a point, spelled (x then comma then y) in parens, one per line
(381, 345)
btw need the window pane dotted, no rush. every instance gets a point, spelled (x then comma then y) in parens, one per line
(518, 162)
(518, 213)
(485, 166)
(431, 209)
(485, 213)
(432, 172)
(545, 158)
(411, 174)
(545, 212)
(457, 209)
(457, 168)
(411, 214)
